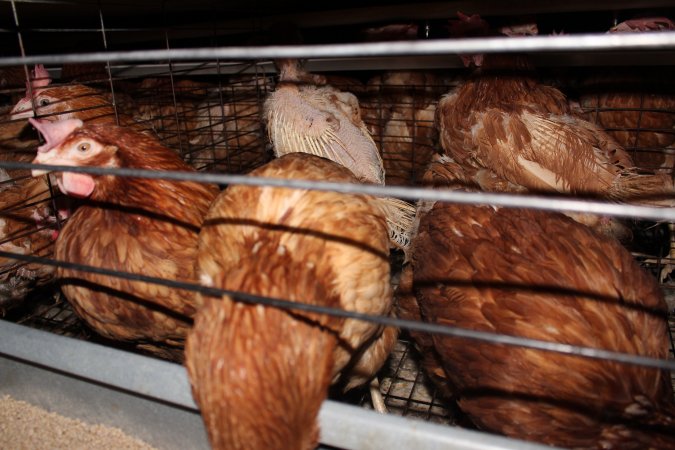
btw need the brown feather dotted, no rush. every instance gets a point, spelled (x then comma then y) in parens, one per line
(24, 208)
(543, 276)
(313, 247)
(524, 132)
(135, 225)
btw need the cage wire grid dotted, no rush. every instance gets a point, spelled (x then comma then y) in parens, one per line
(405, 387)
(210, 144)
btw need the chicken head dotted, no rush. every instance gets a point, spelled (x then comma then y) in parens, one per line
(34, 91)
(71, 101)
(64, 148)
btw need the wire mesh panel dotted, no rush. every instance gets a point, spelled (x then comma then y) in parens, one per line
(52, 313)
(406, 389)
(214, 123)
(637, 109)
(398, 108)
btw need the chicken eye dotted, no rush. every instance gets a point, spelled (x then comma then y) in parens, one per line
(83, 147)
(43, 102)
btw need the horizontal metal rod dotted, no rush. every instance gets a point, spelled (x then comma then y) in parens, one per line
(77, 30)
(403, 192)
(576, 43)
(411, 325)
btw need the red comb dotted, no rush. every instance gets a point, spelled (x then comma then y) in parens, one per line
(39, 78)
(465, 25)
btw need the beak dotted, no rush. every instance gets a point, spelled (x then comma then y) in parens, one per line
(22, 115)
(22, 110)
(39, 159)
(48, 158)
(54, 134)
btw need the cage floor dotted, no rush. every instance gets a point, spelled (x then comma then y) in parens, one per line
(405, 388)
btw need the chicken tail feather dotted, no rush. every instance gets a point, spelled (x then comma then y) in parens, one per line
(400, 216)
(653, 189)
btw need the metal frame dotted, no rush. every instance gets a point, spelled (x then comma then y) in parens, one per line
(117, 388)
(572, 43)
(96, 383)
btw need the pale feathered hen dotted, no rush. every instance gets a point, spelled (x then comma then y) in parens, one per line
(304, 115)
(544, 276)
(260, 374)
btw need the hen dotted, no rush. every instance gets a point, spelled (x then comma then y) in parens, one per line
(27, 222)
(543, 276)
(501, 120)
(637, 108)
(399, 112)
(27, 227)
(169, 107)
(302, 115)
(524, 132)
(70, 101)
(259, 374)
(135, 225)
(226, 130)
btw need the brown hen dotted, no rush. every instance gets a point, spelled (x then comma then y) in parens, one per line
(70, 101)
(633, 111)
(523, 131)
(637, 108)
(27, 227)
(513, 129)
(28, 224)
(543, 276)
(135, 225)
(502, 120)
(260, 374)
(226, 131)
(399, 112)
(169, 107)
